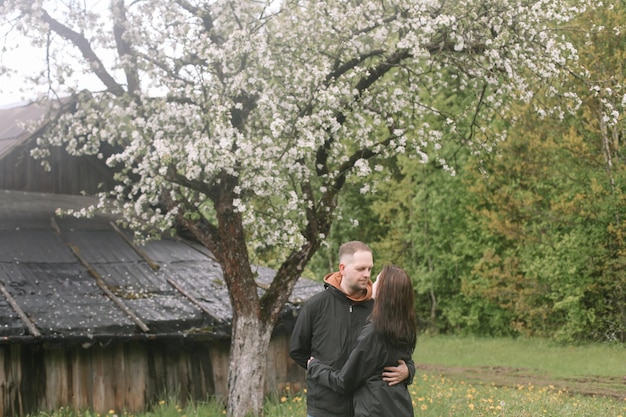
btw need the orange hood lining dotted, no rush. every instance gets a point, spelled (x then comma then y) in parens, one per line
(334, 279)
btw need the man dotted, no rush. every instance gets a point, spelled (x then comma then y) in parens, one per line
(329, 324)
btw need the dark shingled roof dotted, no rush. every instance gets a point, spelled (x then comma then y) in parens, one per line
(74, 280)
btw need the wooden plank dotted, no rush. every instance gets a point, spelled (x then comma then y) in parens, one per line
(138, 250)
(81, 364)
(135, 374)
(100, 281)
(189, 296)
(18, 310)
(57, 391)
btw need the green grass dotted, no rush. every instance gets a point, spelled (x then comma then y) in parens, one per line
(436, 394)
(536, 354)
(433, 396)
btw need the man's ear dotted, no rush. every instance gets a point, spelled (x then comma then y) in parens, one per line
(342, 268)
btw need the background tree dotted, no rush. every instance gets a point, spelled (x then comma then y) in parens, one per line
(242, 121)
(554, 200)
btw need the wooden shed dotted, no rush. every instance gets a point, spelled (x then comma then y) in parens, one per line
(19, 128)
(89, 320)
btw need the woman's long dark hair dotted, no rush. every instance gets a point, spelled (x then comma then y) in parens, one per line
(393, 314)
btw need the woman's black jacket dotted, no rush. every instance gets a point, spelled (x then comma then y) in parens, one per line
(362, 375)
(327, 328)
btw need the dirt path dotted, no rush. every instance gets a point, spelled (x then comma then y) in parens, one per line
(501, 376)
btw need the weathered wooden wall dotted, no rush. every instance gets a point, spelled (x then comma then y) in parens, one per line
(68, 174)
(125, 376)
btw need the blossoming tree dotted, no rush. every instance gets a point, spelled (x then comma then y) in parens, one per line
(242, 120)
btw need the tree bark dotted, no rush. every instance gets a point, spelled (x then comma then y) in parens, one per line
(247, 363)
(251, 331)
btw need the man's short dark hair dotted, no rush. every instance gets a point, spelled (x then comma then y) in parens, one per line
(352, 247)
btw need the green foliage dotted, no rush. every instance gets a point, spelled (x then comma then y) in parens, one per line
(550, 209)
(553, 200)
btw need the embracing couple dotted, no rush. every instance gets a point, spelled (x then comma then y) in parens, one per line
(357, 351)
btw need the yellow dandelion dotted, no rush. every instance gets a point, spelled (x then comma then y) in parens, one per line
(471, 406)
(424, 407)
(111, 411)
(283, 399)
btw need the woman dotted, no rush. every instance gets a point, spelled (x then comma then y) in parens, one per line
(390, 334)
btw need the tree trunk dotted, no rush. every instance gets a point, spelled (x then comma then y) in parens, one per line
(246, 370)
(254, 318)
(251, 330)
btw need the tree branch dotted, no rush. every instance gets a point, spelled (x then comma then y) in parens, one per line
(124, 49)
(375, 74)
(84, 46)
(200, 227)
(199, 186)
(204, 15)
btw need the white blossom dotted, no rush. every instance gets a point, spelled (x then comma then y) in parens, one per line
(266, 102)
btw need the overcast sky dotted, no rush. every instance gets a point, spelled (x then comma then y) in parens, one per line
(26, 59)
(17, 53)
(29, 61)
